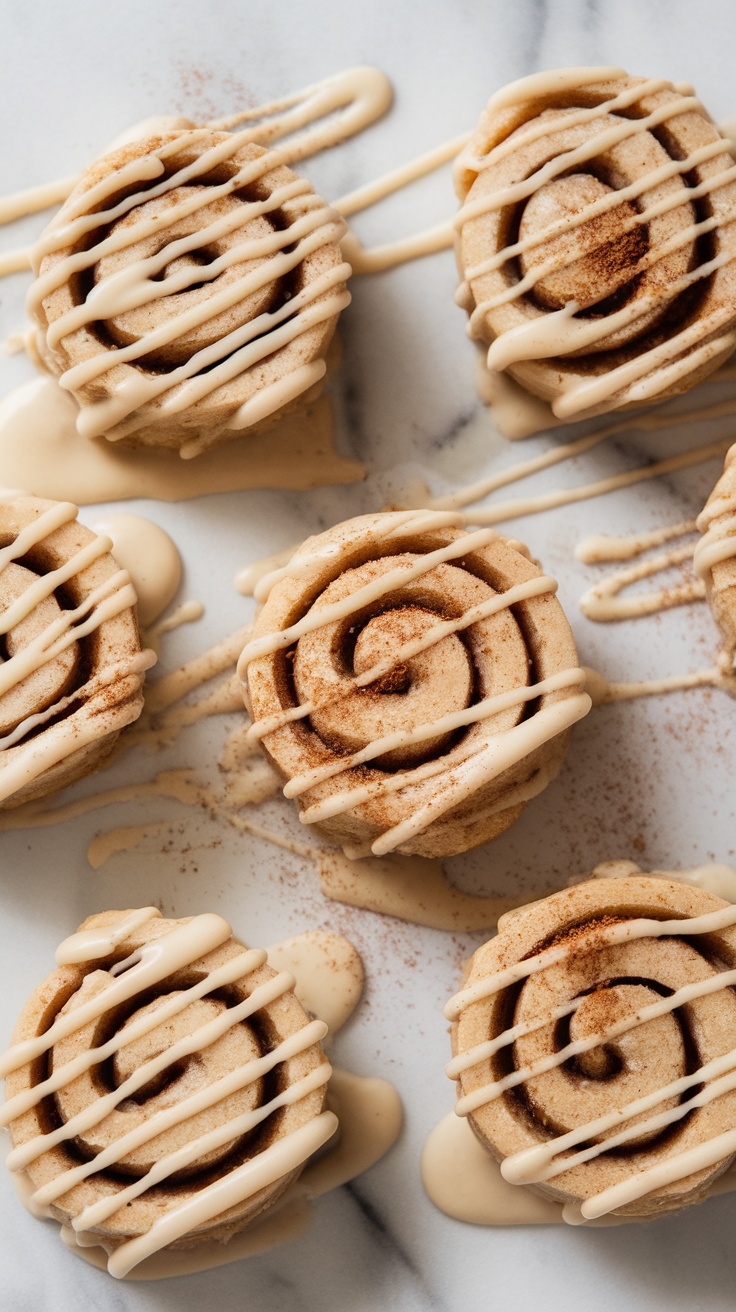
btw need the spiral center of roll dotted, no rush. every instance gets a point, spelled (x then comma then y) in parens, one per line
(594, 258)
(411, 694)
(175, 303)
(613, 989)
(596, 1014)
(374, 645)
(655, 1046)
(153, 1085)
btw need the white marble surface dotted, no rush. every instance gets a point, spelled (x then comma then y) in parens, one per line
(649, 780)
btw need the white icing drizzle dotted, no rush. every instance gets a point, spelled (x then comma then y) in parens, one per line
(602, 547)
(464, 1181)
(713, 676)
(544, 1161)
(603, 602)
(411, 888)
(534, 505)
(717, 523)
(91, 944)
(248, 579)
(459, 1174)
(148, 966)
(427, 242)
(348, 102)
(275, 1161)
(187, 613)
(652, 421)
(164, 719)
(474, 770)
(314, 119)
(516, 413)
(481, 763)
(331, 111)
(715, 547)
(521, 592)
(558, 333)
(35, 199)
(535, 85)
(366, 94)
(340, 106)
(301, 563)
(15, 262)
(55, 637)
(328, 972)
(600, 936)
(370, 1115)
(329, 978)
(231, 354)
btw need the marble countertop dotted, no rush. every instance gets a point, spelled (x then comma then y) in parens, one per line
(649, 780)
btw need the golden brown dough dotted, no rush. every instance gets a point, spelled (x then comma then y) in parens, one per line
(597, 976)
(72, 674)
(411, 737)
(188, 289)
(172, 1107)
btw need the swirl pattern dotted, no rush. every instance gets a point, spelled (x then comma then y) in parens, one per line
(715, 554)
(71, 667)
(595, 1045)
(596, 238)
(188, 289)
(413, 682)
(165, 1085)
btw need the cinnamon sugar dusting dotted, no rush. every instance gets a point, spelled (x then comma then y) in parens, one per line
(586, 931)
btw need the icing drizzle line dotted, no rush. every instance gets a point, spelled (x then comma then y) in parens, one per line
(479, 764)
(311, 120)
(57, 636)
(544, 1161)
(143, 969)
(717, 523)
(559, 332)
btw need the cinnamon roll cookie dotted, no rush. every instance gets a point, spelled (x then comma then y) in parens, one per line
(715, 554)
(414, 682)
(71, 665)
(596, 238)
(164, 1086)
(188, 290)
(594, 1046)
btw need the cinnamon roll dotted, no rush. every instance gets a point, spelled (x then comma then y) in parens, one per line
(715, 554)
(71, 665)
(188, 289)
(164, 1086)
(413, 682)
(595, 1045)
(596, 238)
